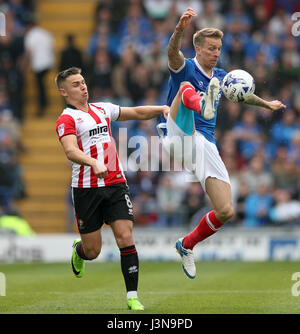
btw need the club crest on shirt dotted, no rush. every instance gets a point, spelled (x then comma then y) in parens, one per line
(102, 110)
(61, 129)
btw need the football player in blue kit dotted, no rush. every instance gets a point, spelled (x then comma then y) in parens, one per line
(194, 94)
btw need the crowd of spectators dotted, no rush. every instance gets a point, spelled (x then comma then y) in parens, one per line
(126, 63)
(14, 18)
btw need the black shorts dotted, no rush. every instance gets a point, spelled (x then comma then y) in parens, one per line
(96, 206)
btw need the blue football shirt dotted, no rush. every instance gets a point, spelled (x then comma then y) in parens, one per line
(192, 71)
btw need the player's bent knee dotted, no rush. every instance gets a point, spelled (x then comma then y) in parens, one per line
(184, 83)
(92, 253)
(225, 213)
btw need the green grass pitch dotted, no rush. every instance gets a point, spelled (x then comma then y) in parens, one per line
(221, 287)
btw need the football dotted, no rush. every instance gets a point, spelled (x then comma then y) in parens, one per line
(238, 85)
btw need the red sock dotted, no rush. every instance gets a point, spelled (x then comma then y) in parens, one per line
(208, 225)
(190, 98)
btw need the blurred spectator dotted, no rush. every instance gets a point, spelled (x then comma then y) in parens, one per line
(152, 97)
(9, 124)
(143, 181)
(169, 203)
(260, 16)
(286, 210)
(138, 82)
(236, 53)
(290, 6)
(193, 201)
(135, 28)
(104, 9)
(229, 114)
(284, 170)
(103, 37)
(20, 12)
(278, 22)
(255, 174)
(12, 66)
(161, 37)
(237, 23)
(145, 209)
(262, 53)
(157, 64)
(283, 130)
(100, 77)
(248, 134)
(15, 86)
(294, 149)
(71, 55)
(8, 171)
(39, 46)
(209, 17)
(186, 46)
(183, 5)
(133, 38)
(157, 9)
(243, 193)
(5, 107)
(296, 98)
(257, 207)
(229, 151)
(289, 60)
(120, 75)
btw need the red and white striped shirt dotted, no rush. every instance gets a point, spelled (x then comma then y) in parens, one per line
(93, 132)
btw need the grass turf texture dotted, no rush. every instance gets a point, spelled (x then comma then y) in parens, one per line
(220, 287)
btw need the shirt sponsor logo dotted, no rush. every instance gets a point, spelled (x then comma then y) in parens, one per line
(98, 130)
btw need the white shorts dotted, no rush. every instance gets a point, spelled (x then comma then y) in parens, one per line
(198, 155)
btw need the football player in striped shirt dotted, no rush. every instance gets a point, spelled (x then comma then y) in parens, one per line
(99, 188)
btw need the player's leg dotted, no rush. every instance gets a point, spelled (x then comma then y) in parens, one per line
(215, 181)
(181, 123)
(88, 247)
(122, 230)
(180, 126)
(188, 97)
(220, 196)
(219, 193)
(89, 217)
(181, 114)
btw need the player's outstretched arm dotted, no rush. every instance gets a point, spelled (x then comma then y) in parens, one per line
(272, 105)
(175, 56)
(143, 112)
(73, 153)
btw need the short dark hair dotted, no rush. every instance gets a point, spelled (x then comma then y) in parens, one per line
(63, 75)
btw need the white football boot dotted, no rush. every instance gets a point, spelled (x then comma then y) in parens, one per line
(208, 103)
(187, 256)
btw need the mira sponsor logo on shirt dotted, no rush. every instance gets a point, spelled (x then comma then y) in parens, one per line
(101, 132)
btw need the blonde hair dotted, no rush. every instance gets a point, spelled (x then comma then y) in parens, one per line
(200, 35)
